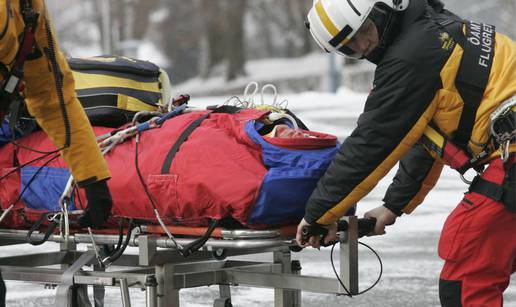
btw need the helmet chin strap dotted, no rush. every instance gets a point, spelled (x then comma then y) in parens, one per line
(385, 21)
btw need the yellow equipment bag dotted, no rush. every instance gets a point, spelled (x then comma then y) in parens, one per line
(112, 88)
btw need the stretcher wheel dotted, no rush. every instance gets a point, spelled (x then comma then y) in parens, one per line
(219, 254)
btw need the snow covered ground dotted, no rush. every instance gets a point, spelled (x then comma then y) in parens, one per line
(408, 251)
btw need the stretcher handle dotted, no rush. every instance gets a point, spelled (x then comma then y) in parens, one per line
(365, 226)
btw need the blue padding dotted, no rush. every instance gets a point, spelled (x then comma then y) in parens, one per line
(292, 176)
(23, 128)
(5, 133)
(44, 192)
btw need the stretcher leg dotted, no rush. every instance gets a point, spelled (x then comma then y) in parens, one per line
(65, 291)
(99, 292)
(80, 296)
(349, 257)
(152, 295)
(225, 297)
(284, 297)
(168, 296)
(124, 291)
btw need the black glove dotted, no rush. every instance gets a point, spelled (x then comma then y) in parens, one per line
(99, 205)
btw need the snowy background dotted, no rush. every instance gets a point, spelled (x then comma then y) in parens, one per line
(408, 250)
(169, 33)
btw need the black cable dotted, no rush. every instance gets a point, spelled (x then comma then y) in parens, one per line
(145, 188)
(23, 165)
(34, 150)
(381, 268)
(340, 281)
(142, 181)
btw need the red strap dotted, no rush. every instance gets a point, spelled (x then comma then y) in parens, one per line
(455, 157)
(27, 45)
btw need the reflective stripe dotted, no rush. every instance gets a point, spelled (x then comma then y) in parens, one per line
(88, 81)
(328, 24)
(339, 37)
(434, 136)
(434, 141)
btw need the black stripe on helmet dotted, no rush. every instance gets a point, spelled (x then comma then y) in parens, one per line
(354, 8)
(341, 36)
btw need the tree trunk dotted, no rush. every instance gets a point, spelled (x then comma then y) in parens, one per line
(181, 38)
(214, 24)
(236, 46)
(303, 7)
(142, 12)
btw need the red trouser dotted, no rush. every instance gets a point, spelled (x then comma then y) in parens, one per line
(478, 244)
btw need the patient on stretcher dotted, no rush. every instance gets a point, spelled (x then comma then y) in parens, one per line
(230, 167)
(284, 131)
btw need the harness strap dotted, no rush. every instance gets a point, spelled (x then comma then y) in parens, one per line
(474, 70)
(182, 138)
(15, 75)
(453, 155)
(487, 188)
(12, 85)
(503, 192)
(165, 169)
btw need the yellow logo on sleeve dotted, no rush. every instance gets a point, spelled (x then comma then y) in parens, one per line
(447, 41)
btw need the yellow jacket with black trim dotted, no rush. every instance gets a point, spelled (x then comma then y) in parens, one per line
(41, 91)
(414, 86)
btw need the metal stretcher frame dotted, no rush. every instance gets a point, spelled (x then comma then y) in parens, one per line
(161, 271)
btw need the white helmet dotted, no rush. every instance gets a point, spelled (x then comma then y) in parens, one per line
(334, 22)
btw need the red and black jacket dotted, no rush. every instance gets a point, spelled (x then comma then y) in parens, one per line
(414, 86)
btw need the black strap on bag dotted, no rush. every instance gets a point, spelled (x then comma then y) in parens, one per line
(165, 169)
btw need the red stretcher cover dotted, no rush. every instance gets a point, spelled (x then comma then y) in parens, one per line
(224, 170)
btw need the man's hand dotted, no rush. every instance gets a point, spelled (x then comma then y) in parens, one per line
(315, 241)
(99, 205)
(383, 217)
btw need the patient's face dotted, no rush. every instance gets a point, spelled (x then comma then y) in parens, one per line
(284, 131)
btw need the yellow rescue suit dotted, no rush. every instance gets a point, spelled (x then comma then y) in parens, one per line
(42, 92)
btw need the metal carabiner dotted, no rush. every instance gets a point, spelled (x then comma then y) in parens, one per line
(274, 94)
(250, 91)
(504, 150)
(52, 218)
(153, 122)
(466, 181)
